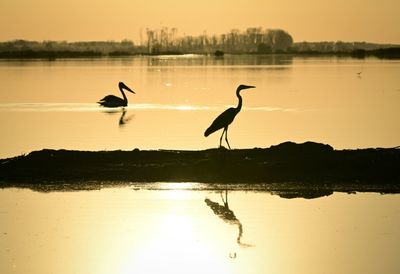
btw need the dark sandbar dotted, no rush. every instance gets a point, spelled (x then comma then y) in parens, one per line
(290, 164)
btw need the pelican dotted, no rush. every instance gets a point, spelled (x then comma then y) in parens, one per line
(112, 101)
(227, 117)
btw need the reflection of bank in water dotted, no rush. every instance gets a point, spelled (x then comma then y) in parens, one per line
(226, 214)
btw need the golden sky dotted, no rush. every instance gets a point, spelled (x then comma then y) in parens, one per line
(310, 20)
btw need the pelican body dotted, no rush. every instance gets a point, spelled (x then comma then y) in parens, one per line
(227, 117)
(112, 101)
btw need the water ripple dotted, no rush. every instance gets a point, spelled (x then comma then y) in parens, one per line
(84, 107)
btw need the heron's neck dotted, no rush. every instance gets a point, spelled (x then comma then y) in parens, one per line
(239, 106)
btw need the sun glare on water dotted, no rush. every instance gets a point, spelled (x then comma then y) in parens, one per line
(176, 248)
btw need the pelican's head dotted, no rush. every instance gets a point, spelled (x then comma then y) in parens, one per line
(123, 86)
(243, 87)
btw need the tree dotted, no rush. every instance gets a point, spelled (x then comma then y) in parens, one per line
(281, 40)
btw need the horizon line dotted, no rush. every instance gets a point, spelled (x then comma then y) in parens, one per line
(138, 43)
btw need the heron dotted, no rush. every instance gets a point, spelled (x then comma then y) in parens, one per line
(227, 117)
(112, 101)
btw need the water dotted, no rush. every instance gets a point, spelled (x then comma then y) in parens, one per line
(187, 228)
(169, 228)
(52, 104)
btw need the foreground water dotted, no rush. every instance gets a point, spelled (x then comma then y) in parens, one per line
(52, 104)
(187, 228)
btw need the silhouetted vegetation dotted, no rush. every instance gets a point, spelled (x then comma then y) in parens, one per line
(161, 41)
(235, 41)
(63, 49)
(346, 49)
(45, 54)
(167, 41)
(386, 53)
(219, 53)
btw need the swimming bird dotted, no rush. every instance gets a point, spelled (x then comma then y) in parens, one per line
(112, 101)
(227, 117)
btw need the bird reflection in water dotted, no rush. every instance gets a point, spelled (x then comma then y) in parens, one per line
(226, 214)
(123, 119)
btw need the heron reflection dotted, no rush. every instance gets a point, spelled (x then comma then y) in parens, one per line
(226, 214)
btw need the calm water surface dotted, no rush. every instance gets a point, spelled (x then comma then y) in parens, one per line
(52, 104)
(182, 228)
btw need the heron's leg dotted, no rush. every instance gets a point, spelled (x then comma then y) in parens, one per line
(226, 199)
(226, 137)
(220, 139)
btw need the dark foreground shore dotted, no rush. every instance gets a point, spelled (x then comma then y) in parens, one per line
(307, 164)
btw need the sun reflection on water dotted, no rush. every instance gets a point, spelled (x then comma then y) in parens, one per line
(128, 230)
(176, 248)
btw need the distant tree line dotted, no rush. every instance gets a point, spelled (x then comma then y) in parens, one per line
(338, 46)
(160, 41)
(167, 41)
(352, 49)
(63, 49)
(252, 40)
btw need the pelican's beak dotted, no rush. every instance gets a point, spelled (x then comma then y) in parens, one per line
(129, 89)
(122, 85)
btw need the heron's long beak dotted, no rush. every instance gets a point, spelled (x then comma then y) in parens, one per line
(246, 87)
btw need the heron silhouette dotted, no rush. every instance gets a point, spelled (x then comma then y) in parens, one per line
(227, 117)
(112, 101)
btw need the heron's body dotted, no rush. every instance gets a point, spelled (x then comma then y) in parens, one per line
(222, 121)
(226, 117)
(112, 101)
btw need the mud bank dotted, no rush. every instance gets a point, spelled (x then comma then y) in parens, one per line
(305, 164)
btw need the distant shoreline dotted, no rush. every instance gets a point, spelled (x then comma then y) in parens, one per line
(383, 53)
(308, 164)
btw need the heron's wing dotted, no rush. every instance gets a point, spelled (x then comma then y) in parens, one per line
(222, 121)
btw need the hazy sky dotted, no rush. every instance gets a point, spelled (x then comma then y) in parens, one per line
(311, 20)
